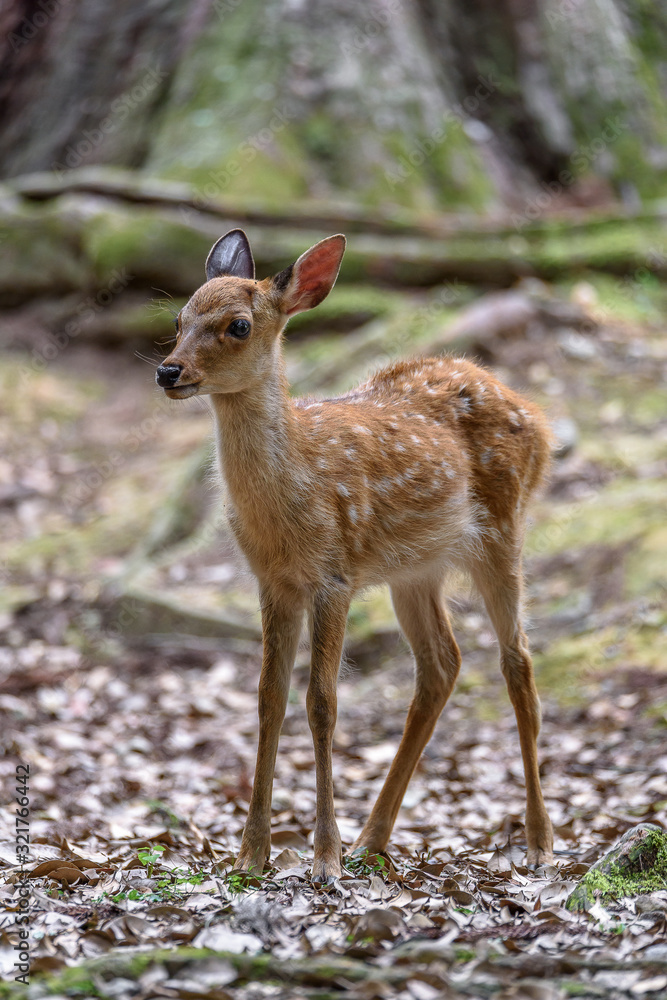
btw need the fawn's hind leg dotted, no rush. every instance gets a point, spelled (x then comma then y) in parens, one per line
(499, 580)
(423, 618)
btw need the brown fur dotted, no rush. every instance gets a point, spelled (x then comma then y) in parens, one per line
(427, 466)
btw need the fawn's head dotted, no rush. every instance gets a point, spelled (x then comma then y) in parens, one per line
(229, 331)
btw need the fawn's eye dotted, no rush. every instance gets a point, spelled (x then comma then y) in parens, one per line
(239, 328)
(176, 323)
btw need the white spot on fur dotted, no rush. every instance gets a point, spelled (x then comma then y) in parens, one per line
(342, 490)
(361, 430)
(352, 514)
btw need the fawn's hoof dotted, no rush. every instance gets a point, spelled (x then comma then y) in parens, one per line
(539, 835)
(252, 860)
(326, 872)
(537, 856)
(248, 867)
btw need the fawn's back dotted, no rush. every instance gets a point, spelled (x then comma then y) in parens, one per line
(424, 463)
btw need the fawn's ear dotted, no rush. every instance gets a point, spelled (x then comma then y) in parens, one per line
(309, 280)
(231, 255)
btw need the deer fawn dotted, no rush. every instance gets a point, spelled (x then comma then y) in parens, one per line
(426, 466)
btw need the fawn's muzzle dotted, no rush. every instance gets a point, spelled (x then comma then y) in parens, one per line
(167, 376)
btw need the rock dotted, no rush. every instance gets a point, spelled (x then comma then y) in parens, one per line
(637, 859)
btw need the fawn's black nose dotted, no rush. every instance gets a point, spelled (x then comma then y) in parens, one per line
(166, 376)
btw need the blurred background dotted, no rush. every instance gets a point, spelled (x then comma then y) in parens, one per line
(500, 170)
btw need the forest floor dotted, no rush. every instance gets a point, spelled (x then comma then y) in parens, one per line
(138, 725)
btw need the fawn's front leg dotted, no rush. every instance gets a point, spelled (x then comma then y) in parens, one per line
(281, 629)
(328, 631)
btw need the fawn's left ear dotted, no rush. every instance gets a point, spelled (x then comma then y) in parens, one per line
(231, 256)
(309, 280)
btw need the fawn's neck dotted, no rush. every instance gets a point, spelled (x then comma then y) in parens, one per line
(256, 433)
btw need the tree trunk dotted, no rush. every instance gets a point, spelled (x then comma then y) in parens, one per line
(81, 82)
(470, 103)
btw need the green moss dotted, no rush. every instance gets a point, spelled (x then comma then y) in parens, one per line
(41, 251)
(623, 511)
(617, 884)
(465, 954)
(636, 297)
(350, 305)
(649, 407)
(567, 665)
(646, 566)
(148, 246)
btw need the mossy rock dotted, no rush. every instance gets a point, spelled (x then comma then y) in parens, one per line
(635, 865)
